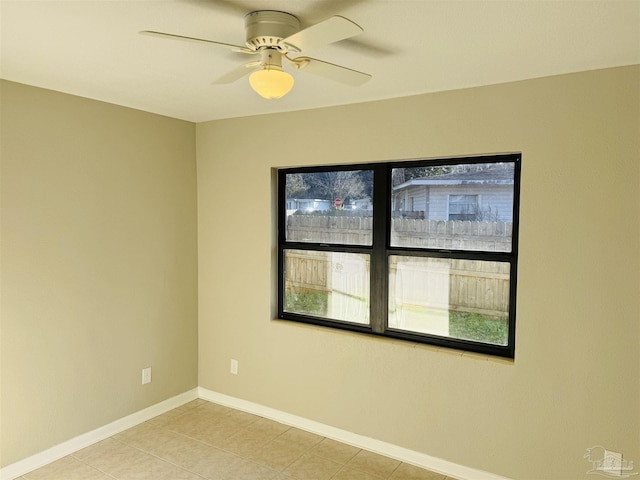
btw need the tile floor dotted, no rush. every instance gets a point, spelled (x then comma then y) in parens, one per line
(203, 440)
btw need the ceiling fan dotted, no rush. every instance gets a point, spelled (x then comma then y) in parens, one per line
(276, 36)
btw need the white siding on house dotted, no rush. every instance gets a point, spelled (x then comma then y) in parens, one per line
(498, 198)
(412, 199)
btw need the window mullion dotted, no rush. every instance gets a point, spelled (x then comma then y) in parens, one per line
(379, 274)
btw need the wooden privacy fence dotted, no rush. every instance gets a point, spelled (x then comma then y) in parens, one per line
(349, 229)
(409, 232)
(473, 286)
(454, 235)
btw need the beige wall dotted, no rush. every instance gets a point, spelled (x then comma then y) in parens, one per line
(574, 383)
(99, 265)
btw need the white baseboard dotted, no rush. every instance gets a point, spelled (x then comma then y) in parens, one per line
(412, 457)
(52, 454)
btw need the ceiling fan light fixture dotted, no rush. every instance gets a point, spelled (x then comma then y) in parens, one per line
(271, 83)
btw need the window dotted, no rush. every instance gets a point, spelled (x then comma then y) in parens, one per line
(463, 207)
(351, 256)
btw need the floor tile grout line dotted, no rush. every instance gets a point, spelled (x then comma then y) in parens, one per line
(395, 470)
(88, 464)
(250, 459)
(179, 466)
(238, 456)
(142, 451)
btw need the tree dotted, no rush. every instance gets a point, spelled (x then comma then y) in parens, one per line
(330, 185)
(337, 184)
(296, 186)
(401, 175)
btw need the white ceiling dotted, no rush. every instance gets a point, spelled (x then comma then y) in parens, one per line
(93, 49)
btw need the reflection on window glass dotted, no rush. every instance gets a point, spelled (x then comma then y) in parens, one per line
(330, 207)
(453, 207)
(463, 207)
(332, 285)
(463, 299)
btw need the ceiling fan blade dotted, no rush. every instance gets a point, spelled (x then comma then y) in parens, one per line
(236, 74)
(172, 36)
(328, 31)
(331, 71)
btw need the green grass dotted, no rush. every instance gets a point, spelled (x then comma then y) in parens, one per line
(479, 328)
(462, 325)
(312, 303)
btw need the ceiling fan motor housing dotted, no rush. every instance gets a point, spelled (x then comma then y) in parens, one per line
(267, 29)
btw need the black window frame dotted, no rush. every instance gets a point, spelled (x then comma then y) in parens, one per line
(381, 249)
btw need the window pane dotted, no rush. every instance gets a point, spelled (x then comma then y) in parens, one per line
(332, 285)
(329, 207)
(464, 299)
(455, 207)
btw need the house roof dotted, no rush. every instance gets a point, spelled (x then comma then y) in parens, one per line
(496, 174)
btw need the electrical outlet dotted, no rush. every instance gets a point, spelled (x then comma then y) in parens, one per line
(234, 366)
(146, 375)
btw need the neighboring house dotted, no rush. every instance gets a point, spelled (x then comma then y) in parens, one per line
(316, 204)
(307, 204)
(474, 195)
(361, 204)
